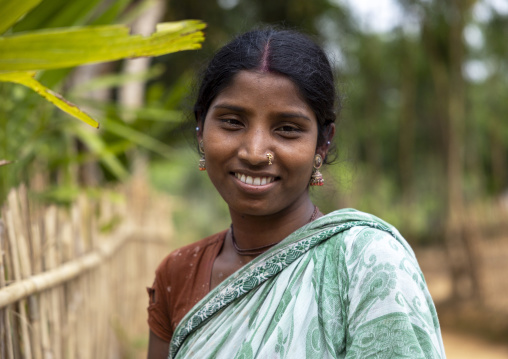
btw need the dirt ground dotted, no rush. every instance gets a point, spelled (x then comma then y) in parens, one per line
(459, 344)
(462, 346)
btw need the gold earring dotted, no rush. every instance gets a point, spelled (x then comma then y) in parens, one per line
(202, 162)
(317, 178)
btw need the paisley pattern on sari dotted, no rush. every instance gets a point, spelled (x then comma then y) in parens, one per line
(344, 286)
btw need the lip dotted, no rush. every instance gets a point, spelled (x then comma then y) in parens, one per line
(254, 182)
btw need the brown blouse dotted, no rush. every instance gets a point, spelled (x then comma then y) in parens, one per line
(181, 280)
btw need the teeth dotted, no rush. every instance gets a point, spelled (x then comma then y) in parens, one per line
(256, 181)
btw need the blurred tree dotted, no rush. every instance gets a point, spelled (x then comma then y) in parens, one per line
(422, 133)
(404, 91)
(226, 18)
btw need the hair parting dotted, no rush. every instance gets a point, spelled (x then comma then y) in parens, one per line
(264, 67)
(285, 52)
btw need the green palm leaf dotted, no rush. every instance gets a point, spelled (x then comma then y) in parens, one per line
(21, 55)
(57, 48)
(27, 79)
(13, 10)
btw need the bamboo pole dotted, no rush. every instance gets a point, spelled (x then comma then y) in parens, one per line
(52, 278)
(20, 269)
(40, 266)
(35, 312)
(64, 240)
(19, 238)
(31, 251)
(72, 289)
(85, 329)
(7, 350)
(74, 280)
(51, 263)
(45, 340)
(13, 270)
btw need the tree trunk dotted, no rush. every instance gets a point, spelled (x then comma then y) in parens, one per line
(461, 232)
(132, 94)
(407, 123)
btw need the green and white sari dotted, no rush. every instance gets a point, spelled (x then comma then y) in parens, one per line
(344, 286)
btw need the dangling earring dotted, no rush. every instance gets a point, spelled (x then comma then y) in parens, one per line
(202, 162)
(317, 178)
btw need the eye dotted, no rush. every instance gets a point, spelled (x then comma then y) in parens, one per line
(231, 123)
(289, 130)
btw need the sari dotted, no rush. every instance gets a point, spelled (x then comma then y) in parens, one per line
(344, 286)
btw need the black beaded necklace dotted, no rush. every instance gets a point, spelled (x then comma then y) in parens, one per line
(259, 250)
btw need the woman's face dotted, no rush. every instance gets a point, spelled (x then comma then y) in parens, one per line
(260, 113)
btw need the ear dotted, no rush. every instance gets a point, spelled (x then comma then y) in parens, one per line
(199, 130)
(323, 149)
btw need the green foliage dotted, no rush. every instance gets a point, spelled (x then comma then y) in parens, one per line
(35, 141)
(57, 48)
(21, 54)
(392, 140)
(27, 79)
(13, 10)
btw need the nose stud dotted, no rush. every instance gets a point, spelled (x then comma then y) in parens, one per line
(270, 158)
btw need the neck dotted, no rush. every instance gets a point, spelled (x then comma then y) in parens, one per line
(258, 231)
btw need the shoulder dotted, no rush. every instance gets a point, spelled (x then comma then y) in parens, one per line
(381, 265)
(190, 253)
(366, 242)
(383, 288)
(369, 248)
(364, 232)
(365, 238)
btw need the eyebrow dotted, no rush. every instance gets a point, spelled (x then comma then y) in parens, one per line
(294, 115)
(243, 110)
(230, 107)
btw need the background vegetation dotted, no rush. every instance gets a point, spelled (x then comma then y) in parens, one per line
(423, 135)
(422, 130)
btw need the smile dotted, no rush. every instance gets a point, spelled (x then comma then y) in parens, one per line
(255, 181)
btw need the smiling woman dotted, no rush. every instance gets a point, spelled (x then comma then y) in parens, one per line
(284, 280)
(261, 113)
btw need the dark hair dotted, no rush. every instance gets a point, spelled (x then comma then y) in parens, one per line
(285, 52)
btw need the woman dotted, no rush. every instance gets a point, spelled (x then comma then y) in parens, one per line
(284, 281)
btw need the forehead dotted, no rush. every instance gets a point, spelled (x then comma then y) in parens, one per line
(263, 89)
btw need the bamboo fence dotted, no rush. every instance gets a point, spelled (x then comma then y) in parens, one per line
(72, 280)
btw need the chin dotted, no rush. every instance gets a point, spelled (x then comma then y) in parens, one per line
(253, 209)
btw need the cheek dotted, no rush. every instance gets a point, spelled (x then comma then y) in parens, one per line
(218, 144)
(299, 162)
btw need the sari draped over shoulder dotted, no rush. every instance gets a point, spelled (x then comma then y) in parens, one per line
(344, 286)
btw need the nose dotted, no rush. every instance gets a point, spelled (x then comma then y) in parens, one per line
(255, 145)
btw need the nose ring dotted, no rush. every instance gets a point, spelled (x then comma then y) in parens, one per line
(270, 158)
